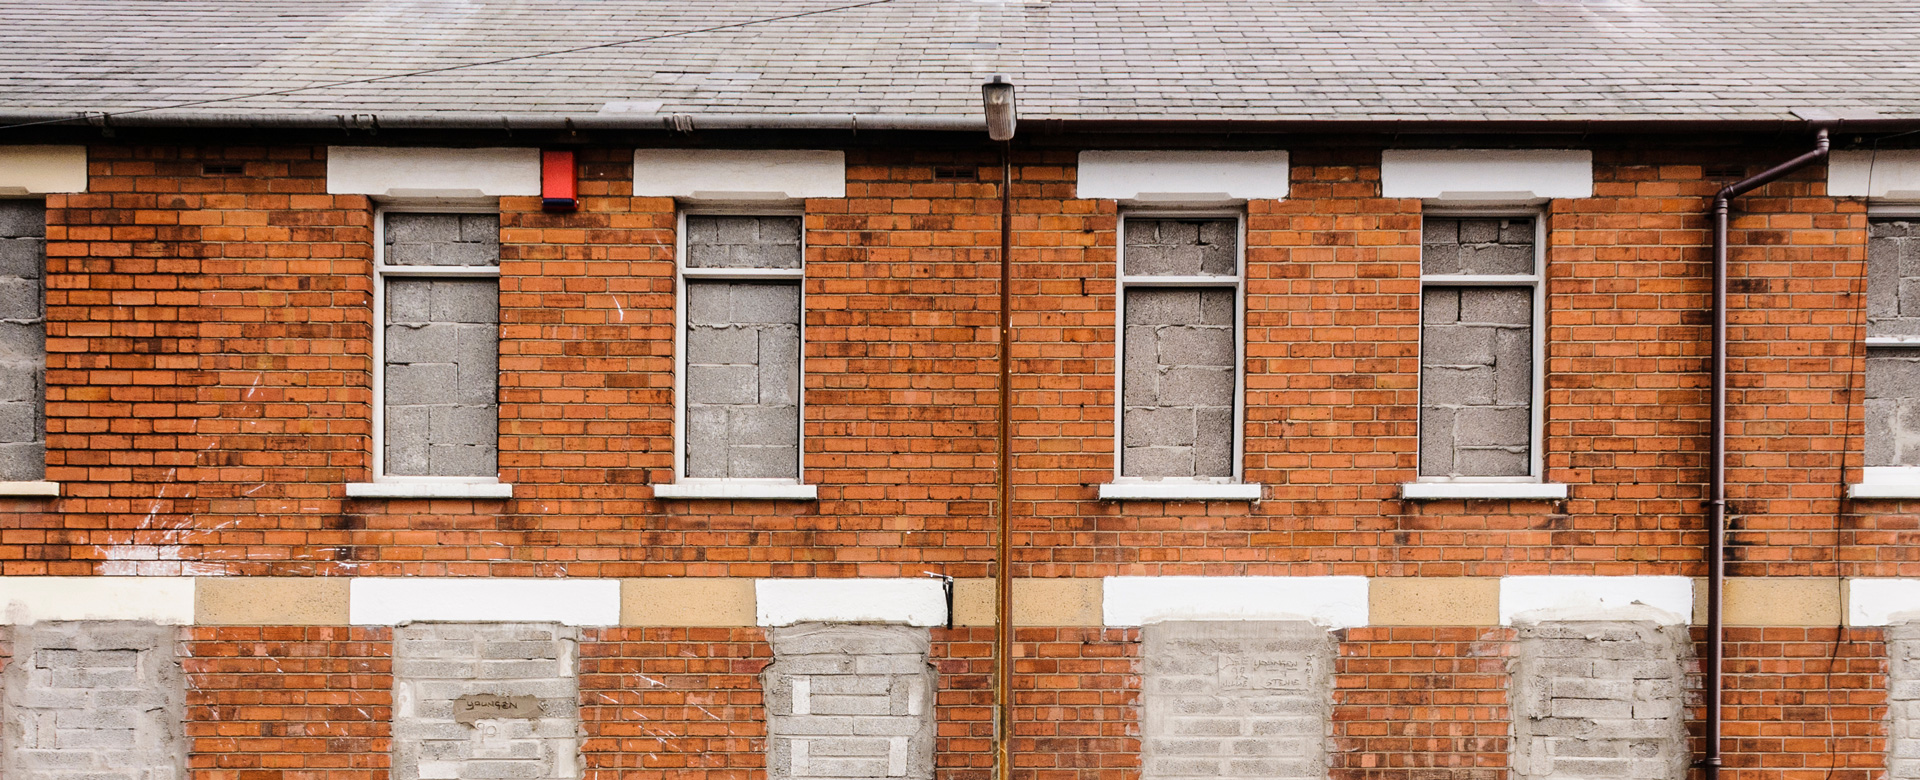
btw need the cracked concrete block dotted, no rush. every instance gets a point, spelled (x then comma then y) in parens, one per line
(95, 700)
(1616, 713)
(1235, 699)
(411, 343)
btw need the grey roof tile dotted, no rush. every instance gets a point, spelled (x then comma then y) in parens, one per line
(1073, 59)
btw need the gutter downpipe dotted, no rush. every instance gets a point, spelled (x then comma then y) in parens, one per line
(1717, 452)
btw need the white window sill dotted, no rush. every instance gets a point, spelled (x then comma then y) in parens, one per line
(1179, 491)
(1884, 490)
(1458, 490)
(429, 490)
(36, 488)
(739, 489)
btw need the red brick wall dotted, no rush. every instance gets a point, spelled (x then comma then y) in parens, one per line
(288, 703)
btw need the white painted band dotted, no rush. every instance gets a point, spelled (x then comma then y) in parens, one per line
(913, 601)
(382, 601)
(37, 488)
(1486, 175)
(742, 489)
(1887, 482)
(432, 173)
(739, 174)
(1183, 176)
(1665, 600)
(38, 170)
(1882, 602)
(167, 600)
(1334, 602)
(1892, 174)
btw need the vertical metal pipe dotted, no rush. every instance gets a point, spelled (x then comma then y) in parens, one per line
(1717, 450)
(1003, 557)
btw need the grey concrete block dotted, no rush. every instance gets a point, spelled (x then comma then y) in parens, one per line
(1158, 426)
(1496, 305)
(1479, 231)
(1497, 259)
(1197, 386)
(23, 257)
(723, 384)
(21, 382)
(420, 343)
(1456, 345)
(1449, 386)
(437, 663)
(462, 425)
(1492, 462)
(1440, 305)
(1174, 247)
(771, 303)
(764, 425)
(23, 346)
(1436, 441)
(743, 241)
(465, 300)
(21, 300)
(462, 460)
(19, 423)
(1213, 443)
(1513, 366)
(1162, 306)
(1238, 679)
(706, 441)
(745, 461)
(779, 365)
(411, 384)
(1484, 426)
(23, 219)
(422, 228)
(442, 239)
(409, 300)
(707, 344)
(709, 303)
(1152, 462)
(94, 701)
(1195, 345)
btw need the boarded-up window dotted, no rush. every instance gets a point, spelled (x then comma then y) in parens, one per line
(1477, 347)
(440, 345)
(742, 347)
(1179, 373)
(23, 341)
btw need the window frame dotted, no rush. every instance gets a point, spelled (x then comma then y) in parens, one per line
(1122, 282)
(1536, 284)
(1882, 481)
(381, 273)
(734, 487)
(41, 487)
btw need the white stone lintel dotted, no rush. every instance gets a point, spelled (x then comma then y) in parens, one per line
(1660, 599)
(1887, 482)
(1334, 602)
(41, 488)
(739, 489)
(41, 170)
(1467, 176)
(724, 175)
(1183, 177)
(1887, 174)
(1491, 490)
(385, 601)
(914, 601)
(494, 490)
(429, 173)
(166, 600)
(1179, 491)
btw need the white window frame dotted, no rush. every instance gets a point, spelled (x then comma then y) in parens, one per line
(386, 485)
(1533, 484)
(1231, 488)
(687, 487)
(1885, 481)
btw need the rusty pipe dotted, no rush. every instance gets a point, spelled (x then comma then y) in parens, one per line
(1003, 541)
(1717, 450)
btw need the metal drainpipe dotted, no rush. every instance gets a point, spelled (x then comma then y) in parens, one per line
(1003, 557)
(1717, 453)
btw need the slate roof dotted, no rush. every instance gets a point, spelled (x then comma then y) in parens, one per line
(1316, 60)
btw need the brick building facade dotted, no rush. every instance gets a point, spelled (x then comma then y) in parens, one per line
(639, 391)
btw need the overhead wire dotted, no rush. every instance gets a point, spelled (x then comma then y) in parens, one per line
(90, 115)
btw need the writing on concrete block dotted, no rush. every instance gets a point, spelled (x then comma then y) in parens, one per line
(475, 706)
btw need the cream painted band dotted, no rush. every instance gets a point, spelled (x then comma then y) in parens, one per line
(39, 170)
(1063, 602)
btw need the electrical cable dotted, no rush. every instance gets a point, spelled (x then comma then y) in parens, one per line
(85, 116)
